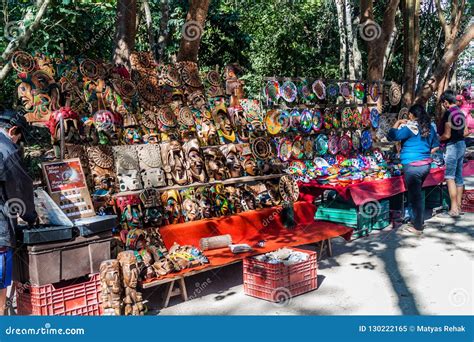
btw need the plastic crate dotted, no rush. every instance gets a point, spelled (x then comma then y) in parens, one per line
(349, 215)
(436, 197)
(275, 282)
(467, 203)
(63, 299)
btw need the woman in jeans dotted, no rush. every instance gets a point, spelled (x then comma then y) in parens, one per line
(418, 138)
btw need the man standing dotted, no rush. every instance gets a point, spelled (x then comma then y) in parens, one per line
(16, 194)
(454, 129)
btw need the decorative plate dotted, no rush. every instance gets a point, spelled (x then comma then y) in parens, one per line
(330, 159)
(186, 116)
(356, 140)
(346, 117)
(359, 91)
(289, 190)
(345, 145)
(101, 156)
(295, 119)
(149, 89)
(365, 116)
(166, 117)
(305, 91)
(394, 94)
(89, 69)
(297, 148)
(285, 149)
(319, 89)
(336, 119)
(317, 120)
(289, 91)
(403, 114)
(374, 91)
(251, 110)
(23, 62)
(306, 121)
(272, 91)
(328, 114)
(284, 119)
(366, 140)
(272, 122)
(333, 144)
(321, 144)
(190, 74)
(261, 148)
(333, 90)
(374, 117)
(346, 91)
(297, 167)
(171, 76)
(214, 78)
(356, 118)
(308, 148)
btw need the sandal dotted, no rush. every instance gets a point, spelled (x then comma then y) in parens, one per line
(449, 214)
(412, 230)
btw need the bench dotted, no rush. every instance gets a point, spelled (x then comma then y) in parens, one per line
(248, 227)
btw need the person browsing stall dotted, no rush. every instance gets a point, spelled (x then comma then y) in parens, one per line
(454, 129)
(16, 194)
(419, 139)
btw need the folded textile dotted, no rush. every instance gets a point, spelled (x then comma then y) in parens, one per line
(286, 256)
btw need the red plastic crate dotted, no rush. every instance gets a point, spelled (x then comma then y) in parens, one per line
(275, 282)
(467, 203)
(66, 298)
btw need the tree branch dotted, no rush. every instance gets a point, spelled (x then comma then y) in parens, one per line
(442, 19)
(450, 56)
(22, 40)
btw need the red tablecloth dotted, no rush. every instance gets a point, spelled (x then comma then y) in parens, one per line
(374, 190)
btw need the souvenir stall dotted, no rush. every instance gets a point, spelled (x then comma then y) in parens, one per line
(181, 158)
(332, 134)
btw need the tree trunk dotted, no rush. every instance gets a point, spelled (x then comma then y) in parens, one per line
(357, 54)
(149, 27)
(389, 51)
(126, 31)
(377, 36)
(342, 37)
(411, 48)
(438, 77)
(350, 38)
(23, 39)
(164, 33)
(192, 30)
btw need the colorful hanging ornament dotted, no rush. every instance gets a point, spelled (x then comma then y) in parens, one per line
(284, 120)
(374, 117)
(321, 144)
(346, 90)
(306, 121)
(394, 94)
(272, 122)
(365, 116)
(333, 91)
(374, 91)
(356, 140)
(319, 89)
(333, 144)
(305, 92)
(328, 115)
(289, 91)
(285, 149)
(359, 91)
(272, 91)
(295, 116)
(345, 145)
(317, 120)
(366, 140)
(346, 117)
